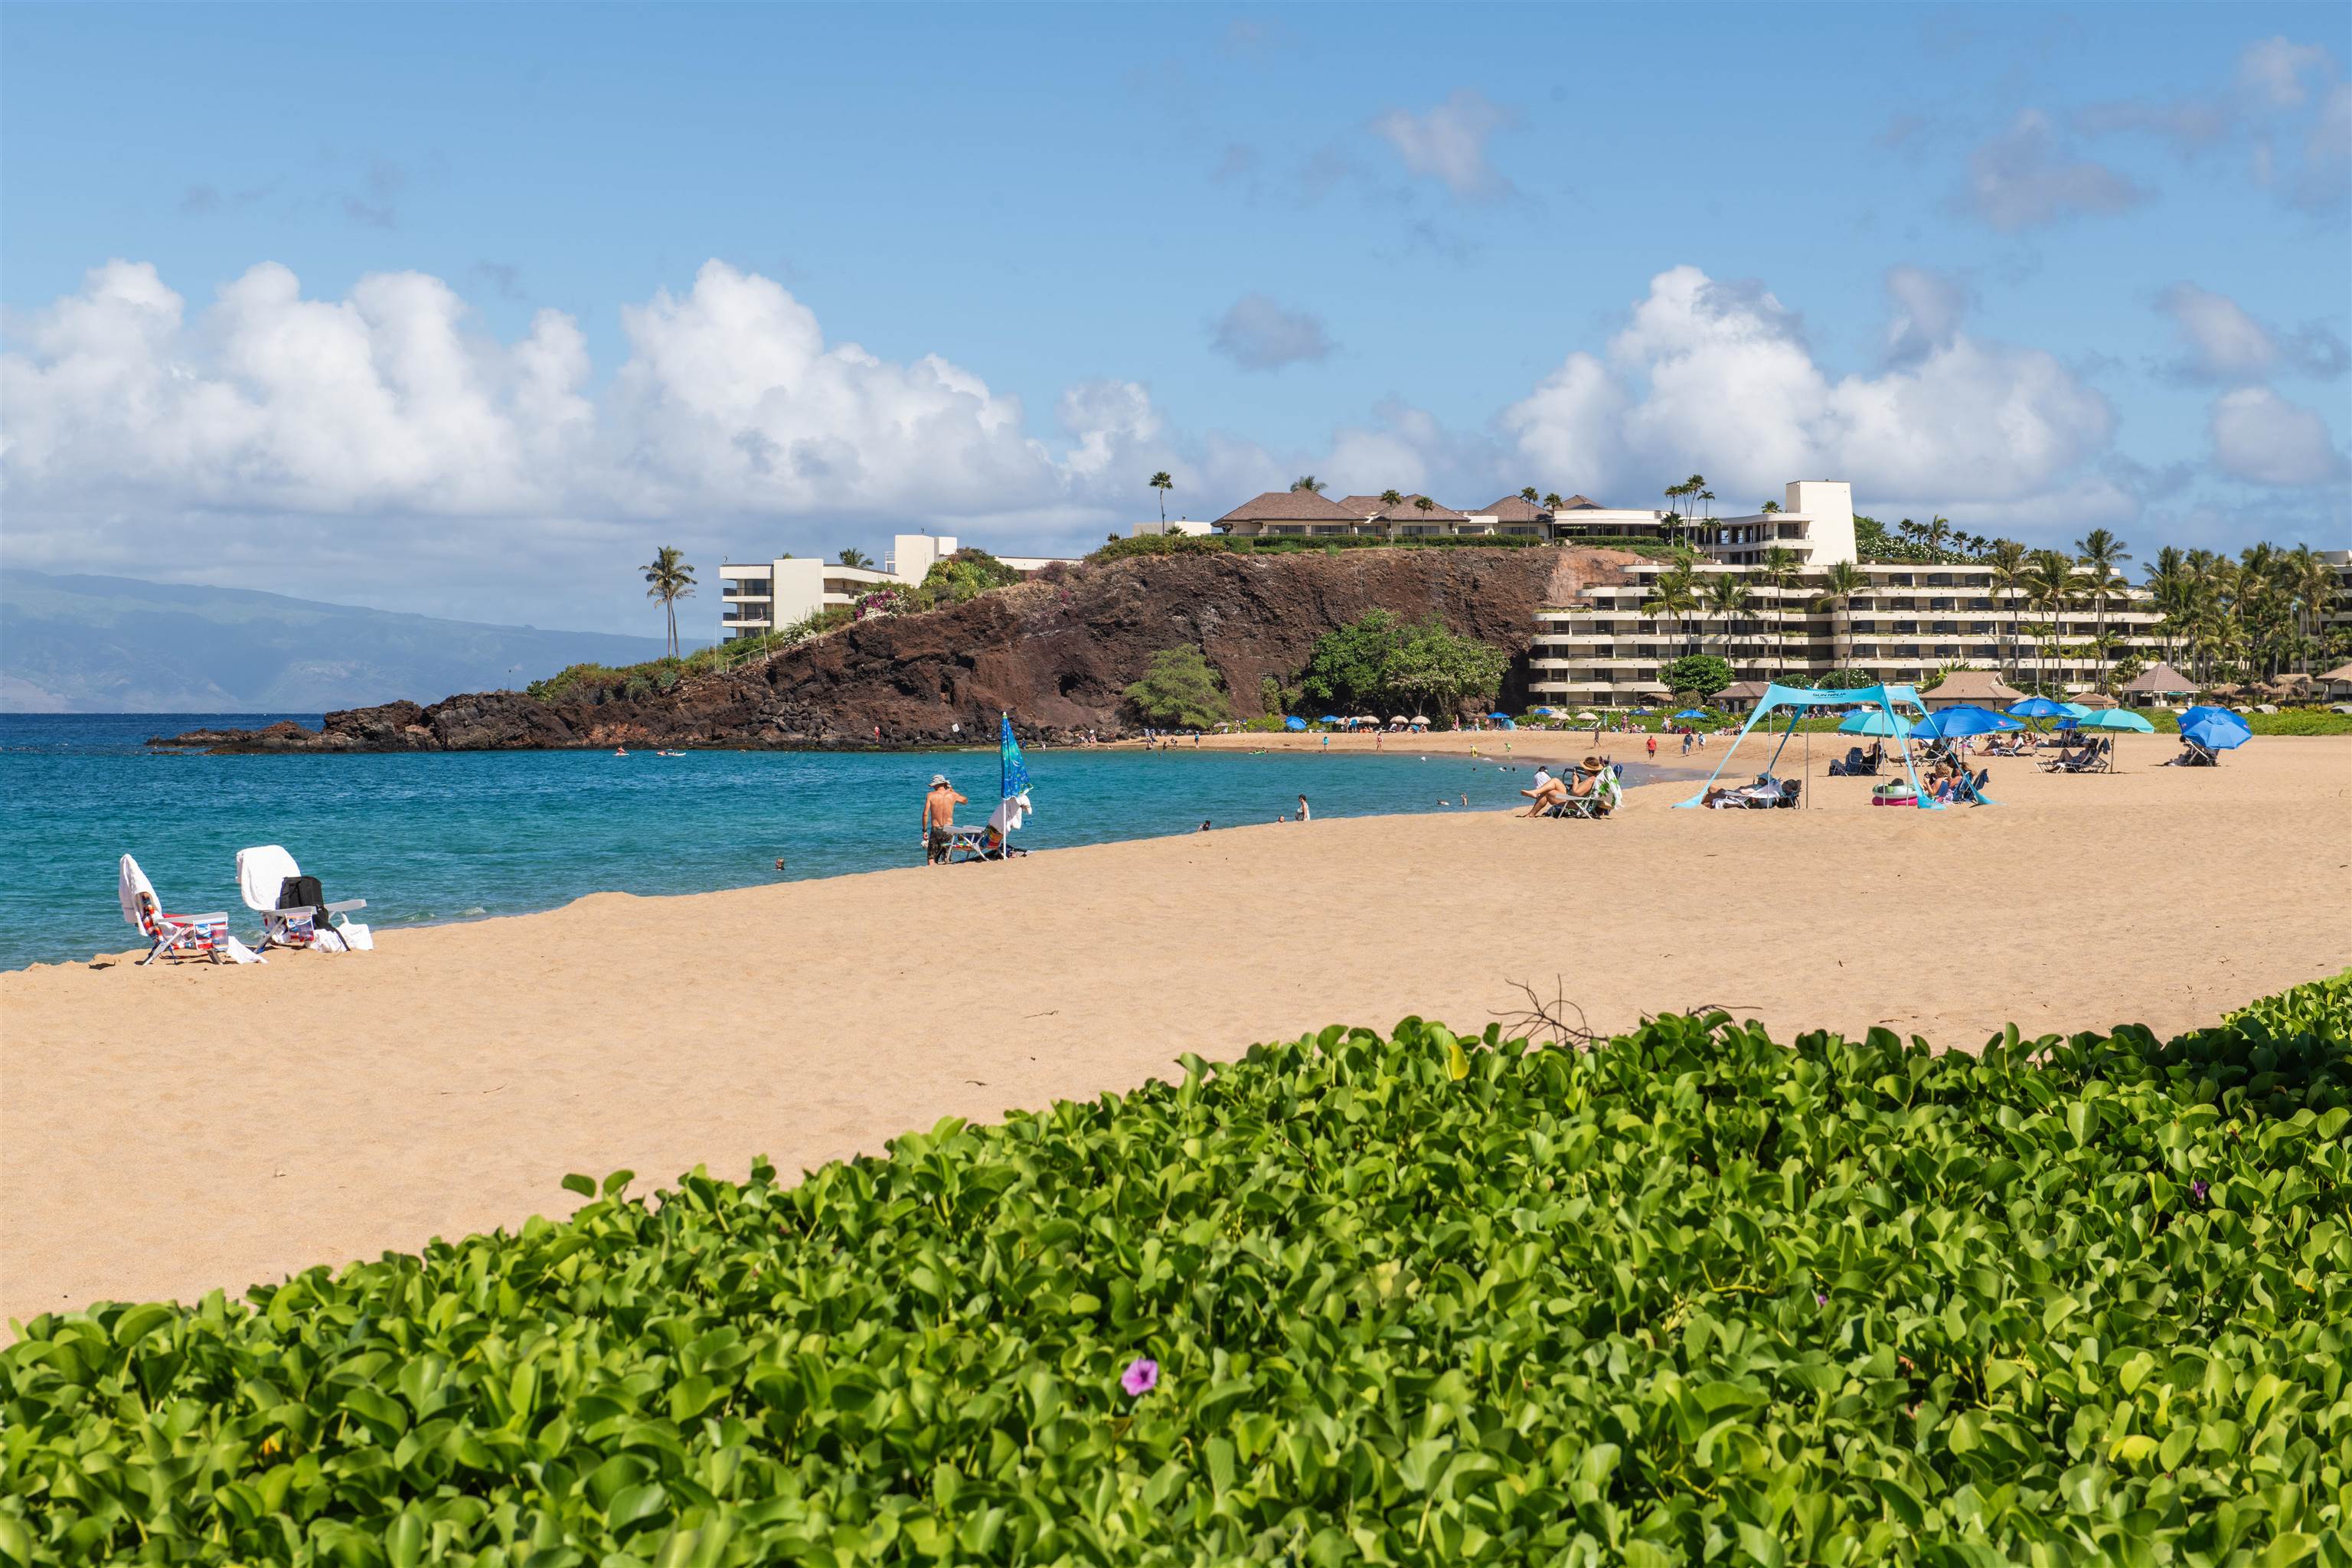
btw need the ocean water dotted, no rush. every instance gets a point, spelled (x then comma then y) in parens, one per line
(434, 837)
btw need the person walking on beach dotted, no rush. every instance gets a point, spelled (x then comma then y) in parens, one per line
(1654, 748)
(938, 818)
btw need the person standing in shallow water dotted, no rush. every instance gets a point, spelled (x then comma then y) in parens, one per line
(1304, 815)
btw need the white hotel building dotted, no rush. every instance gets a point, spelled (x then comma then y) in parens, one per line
(756, 597)
(1603, 651)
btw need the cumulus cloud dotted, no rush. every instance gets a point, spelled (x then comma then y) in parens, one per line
(1928, 305)
(2024, 178)
(2280, 73)
(2223, 342)
(1718, 377)
(1258, 334)
(1448, 143)
(2260, 437)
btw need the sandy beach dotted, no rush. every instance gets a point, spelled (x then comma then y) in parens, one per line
(172, 1130)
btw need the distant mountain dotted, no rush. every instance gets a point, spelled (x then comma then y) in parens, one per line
(116, 645)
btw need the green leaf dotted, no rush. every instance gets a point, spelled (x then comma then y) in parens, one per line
(584, 1185)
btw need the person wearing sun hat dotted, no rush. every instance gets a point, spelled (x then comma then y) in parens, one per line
(938, 818)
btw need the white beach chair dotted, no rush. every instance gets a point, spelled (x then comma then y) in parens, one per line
(175, 936)
(261, 874)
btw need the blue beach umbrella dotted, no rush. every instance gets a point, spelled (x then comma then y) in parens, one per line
(1294, 722)
(1328, 719)
(2217, 736)
(2035, 708)
(2205, 712)
(1872, 722)
(1952, 723)
(1012, 769)
(1694, 713)
(2077, 710)
(1498, 715)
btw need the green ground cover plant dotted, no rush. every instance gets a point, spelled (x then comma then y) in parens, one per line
(1686, 1296)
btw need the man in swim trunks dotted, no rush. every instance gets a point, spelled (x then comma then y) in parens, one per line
(938, 818)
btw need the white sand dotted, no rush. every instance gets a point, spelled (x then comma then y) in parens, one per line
(172, 1130)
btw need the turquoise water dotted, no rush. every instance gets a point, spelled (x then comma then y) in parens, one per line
(430, 837)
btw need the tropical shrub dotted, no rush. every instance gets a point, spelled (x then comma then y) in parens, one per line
(1690, 1296)
(1180, 689)
(1382, 662)
(1698, 675)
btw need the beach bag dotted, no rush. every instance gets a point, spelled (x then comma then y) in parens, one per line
(297, 892)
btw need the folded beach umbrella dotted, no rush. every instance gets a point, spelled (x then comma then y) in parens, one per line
(1953, 723)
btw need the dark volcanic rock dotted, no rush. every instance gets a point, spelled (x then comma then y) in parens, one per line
(1056, 652)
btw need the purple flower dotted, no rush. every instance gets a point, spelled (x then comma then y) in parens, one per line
(1820, 1299)
(1142, 1376)
(2197, 1190)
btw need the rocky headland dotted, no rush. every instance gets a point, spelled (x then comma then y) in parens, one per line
(1056, 652)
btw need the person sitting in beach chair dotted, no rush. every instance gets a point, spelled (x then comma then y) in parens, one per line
(1593, 791)
(2193, 755)
(1546, 795)
(294, 911)
(174, 936)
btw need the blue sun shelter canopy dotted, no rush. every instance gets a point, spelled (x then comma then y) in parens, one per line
(1799, 700)
(1294, 722)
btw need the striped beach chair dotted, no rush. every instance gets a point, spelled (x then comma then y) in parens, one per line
(174, 936)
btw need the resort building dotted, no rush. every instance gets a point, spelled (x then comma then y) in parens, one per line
(756, 597)
(1906, 624)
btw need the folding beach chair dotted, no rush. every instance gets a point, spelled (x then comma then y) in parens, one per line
(175, 936)
(264, 875)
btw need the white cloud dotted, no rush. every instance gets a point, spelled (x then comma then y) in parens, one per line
(1448, 143)
(1928, 308)
(2277, 72)
(2260, 437)
(2224, 343)
(2024, 179)
(1719, 378)
(1256, 333)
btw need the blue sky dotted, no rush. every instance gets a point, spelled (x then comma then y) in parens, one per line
(2039, 269)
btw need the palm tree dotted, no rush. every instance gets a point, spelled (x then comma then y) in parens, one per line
(2005, 568)
(1528, 494)
(1936, 531)
(2050, 587)
(1726, 599)
(1390, 498)
(1552, 501)
(1161, 482)
(1673, 593)
(2101, 553)
(1838, 590)
(1769, 507)
(1423, 505)
(858, 559)
(1779, 574)
(1308, 482)
(669, 579)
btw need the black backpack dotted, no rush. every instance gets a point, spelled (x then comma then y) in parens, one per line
(303, 893)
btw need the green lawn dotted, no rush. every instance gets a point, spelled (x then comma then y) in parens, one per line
(1691, 1296)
